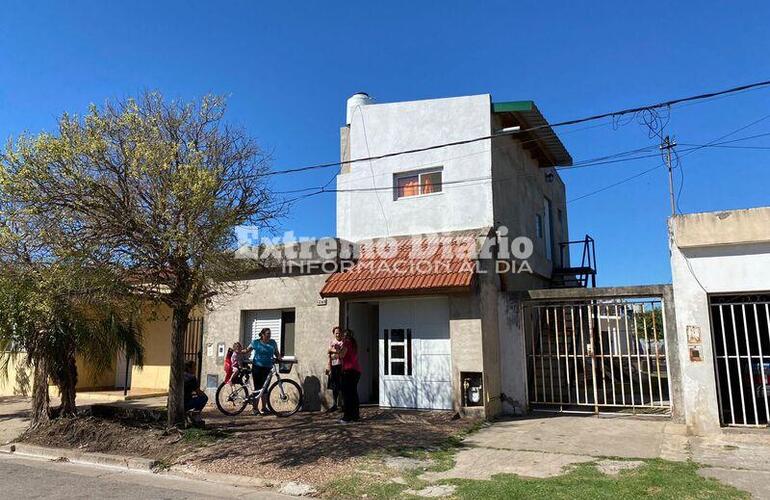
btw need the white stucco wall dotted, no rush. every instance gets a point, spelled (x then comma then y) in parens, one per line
(710, 265)
(385, 128)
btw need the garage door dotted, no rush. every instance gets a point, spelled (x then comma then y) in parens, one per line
(415, 354)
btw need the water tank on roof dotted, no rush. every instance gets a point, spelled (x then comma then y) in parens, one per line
(354, 101)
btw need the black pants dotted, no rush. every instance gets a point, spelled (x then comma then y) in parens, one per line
(350, 380)
(197, 402)
(335, 383)
(258, 375)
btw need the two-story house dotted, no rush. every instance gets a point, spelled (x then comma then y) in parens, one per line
(424, 189)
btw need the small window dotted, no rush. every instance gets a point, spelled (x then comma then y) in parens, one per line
(398, 352)
(288, 320)
(417, 183)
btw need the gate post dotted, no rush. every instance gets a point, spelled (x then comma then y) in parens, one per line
(674, 356)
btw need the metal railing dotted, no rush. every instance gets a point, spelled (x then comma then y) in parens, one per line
(586, 271)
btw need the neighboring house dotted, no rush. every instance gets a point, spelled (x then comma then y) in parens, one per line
(720, 263)
(152, 377)
(434, 334)
(123, 378)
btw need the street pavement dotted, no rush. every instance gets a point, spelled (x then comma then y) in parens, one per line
(23, 478)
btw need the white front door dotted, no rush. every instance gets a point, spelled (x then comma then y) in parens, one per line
(415, 354)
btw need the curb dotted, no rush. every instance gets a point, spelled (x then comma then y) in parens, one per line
(186, 471)
(82, 457)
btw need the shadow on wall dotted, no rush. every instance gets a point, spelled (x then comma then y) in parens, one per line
(23, 384)
(313, 396)
(15, 374)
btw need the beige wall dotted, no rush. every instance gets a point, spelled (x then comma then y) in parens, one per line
(156, 338)
(17, 379)
(465, 334)
(91, 376)
(733, 227)
(312, 328)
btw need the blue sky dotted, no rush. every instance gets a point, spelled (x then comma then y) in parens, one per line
(288, 67)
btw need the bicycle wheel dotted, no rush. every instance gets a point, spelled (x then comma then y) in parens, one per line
(232, 398)
(287, 403)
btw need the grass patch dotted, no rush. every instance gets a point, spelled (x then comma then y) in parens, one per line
(372, 482)
(659, 479)
(656, 479)
(161, 465)
(202, 437)
(442, 455)
(359, 485)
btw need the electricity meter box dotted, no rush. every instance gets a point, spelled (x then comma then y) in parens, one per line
(473, 389)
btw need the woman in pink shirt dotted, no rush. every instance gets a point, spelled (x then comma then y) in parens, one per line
(351, 374)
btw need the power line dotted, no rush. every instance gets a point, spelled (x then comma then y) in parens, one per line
(689, 151)
(316, 190)
(613, 114)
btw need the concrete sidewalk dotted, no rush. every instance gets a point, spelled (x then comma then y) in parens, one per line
(14, 417)
(545, 446)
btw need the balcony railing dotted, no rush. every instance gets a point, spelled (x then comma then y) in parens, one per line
(582, 275)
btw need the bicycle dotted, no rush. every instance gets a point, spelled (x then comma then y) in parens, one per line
(284, 396)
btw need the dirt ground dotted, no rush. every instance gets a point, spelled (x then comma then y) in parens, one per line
(308, 447)
(313, 448)
(107, 436)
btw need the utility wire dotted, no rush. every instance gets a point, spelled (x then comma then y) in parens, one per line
(689, 151)
(316, 190)
(614, 114)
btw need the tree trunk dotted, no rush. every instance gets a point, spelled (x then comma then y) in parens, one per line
(176, 380)
(68, 379)
(40, 402)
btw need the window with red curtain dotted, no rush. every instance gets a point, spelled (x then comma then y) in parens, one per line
(417, 184)
(430, 182)
(408, 186)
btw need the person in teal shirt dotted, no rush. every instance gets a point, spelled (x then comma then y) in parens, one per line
(264, 351)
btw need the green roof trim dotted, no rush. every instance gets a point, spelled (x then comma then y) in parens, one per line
(535, 129)
(512, 106)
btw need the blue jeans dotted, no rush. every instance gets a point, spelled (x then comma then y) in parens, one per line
(196, 402)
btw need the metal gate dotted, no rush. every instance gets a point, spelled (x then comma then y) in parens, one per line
(193, 343)
(740, 329)
(597, 355)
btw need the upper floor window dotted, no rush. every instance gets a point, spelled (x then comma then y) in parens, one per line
(417, 183)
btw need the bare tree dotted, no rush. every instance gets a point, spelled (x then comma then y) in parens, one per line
(154, 189)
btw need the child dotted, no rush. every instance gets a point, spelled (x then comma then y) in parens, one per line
(334, 368)
(233, 361)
